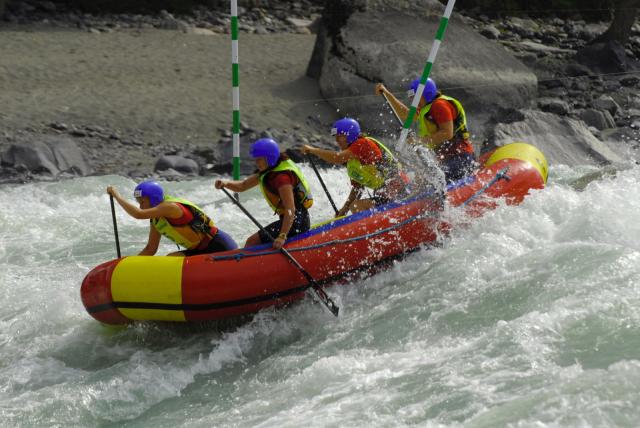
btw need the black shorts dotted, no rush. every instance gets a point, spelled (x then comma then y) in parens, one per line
(458, 167)
(301, 223)
(380, 199)
(382, 196)
(220, 242)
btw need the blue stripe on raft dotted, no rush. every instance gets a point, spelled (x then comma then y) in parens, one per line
(350, 219)
(461, 183)
(269, 250)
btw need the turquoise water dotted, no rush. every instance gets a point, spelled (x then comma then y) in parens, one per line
(529, 316)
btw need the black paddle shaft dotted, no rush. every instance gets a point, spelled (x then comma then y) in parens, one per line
(313, 165)
(115, 225)
(320, 293)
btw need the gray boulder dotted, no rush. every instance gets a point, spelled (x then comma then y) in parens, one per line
(363, 42)
(524, 27)
(554, 105)
(490, 32)
(178, 163)
(225, 156)
(562, 140)
(605, 102)
(604, 57)
(599, 119)
(68, 156)
(34, 157)
(630, 81)
(51, 155)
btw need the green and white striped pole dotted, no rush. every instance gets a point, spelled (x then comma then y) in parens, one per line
(235, 72)
(425, 73)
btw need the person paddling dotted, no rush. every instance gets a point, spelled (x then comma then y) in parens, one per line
(369, 164)
(177, 219)
(283, 186)
(442, 127)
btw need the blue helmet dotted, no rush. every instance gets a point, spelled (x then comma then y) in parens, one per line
(267, 148)
(151, 190)
(430, 90)
(347, 126)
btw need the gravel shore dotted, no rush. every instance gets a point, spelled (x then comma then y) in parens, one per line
(130, 89)
(129, 96)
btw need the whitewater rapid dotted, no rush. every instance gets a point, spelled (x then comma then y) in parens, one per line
(528, 316)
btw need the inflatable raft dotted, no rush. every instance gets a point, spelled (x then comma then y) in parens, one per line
(228, 284)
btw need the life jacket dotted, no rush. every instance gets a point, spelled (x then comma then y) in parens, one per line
(460, 141)
(301, 192)
(188, 235)
(374, 175)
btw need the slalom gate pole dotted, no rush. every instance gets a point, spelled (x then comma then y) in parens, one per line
(235, 91)
(444, 21)
(391, 107)
(313, 165)
(115, 225)
(320, 293)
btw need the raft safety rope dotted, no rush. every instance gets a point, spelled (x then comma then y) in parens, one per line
(501, 175)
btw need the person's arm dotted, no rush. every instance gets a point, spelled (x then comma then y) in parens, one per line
(356, 191)
(401, 110)
(164, 209)
(330, 156)
(238, 186)
(288, 203)
(444, 133)
(152, 243)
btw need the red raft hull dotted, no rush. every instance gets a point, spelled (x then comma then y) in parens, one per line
(243, 281)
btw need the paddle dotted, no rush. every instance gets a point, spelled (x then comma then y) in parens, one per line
(324, 298)
(392, 109)
(115, 225)
(313, 165)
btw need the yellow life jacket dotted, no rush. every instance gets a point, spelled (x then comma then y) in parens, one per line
(374, 175)
(427, 127)
(188, 235)
(301, 192)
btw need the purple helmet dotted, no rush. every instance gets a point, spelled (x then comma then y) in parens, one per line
(267, 148)
(430, 90)
(347, 126)
(151, 190)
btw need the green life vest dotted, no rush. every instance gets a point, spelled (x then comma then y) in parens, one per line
(301, 192)
(426, 127)
(189, 235)
(375, 175)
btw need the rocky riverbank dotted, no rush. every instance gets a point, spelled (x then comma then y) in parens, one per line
(146, 95)
(567, 86)
(577, 84)
(269, 17)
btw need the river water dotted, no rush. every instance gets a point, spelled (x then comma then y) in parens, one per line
(528, 316)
